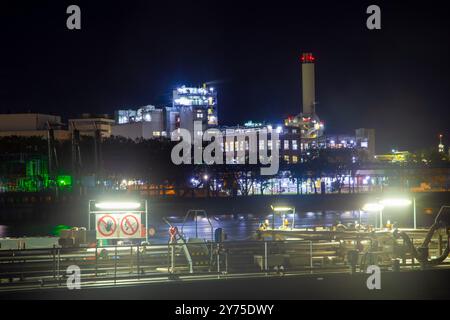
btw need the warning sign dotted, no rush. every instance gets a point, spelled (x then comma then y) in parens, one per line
(106, 226)
(130, 226)
(118, 226)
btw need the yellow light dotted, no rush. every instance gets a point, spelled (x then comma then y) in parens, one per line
(395, 202)
(117, 205)
(373, 207)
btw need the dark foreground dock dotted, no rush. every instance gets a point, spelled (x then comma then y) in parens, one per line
(428, 284)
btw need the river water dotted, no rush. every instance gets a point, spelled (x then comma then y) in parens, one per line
(237, 227)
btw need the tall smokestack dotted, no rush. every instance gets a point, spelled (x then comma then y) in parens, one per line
(308, 88)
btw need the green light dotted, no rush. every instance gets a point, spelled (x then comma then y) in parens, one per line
(64, 181)
(57, 229)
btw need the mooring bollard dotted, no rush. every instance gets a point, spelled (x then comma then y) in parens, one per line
(352, 257)
(395, 265)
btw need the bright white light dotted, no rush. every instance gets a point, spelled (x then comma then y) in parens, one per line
(117, 205)
(373, 207)
(269, 128)
(281, 209)
(395, 202)
(279, 129)
(183, 101)
(205, 177)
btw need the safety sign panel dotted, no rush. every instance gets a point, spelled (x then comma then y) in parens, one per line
(130, 226)
(118, 226)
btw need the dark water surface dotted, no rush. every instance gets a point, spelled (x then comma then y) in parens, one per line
(237, 227)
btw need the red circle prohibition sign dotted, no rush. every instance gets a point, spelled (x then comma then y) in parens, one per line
(103, 221)
(127, 226)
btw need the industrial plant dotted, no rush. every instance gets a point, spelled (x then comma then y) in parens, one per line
(209, 153)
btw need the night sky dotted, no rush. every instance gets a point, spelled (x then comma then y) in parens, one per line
(132, 53)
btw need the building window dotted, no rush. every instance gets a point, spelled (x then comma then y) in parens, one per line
(199, 115)
(156, 133)
(294, 144)
(261, 145)
(286, 158)
(294, 159)
(294, 130)
(286, 144)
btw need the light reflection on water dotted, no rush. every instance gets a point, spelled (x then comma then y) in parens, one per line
(237, 227)
(242, 227)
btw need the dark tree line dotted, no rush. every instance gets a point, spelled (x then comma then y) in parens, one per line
(150, 162)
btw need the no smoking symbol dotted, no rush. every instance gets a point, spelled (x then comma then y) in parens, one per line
(129, 225)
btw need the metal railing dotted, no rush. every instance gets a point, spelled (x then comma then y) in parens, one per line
(115, 263)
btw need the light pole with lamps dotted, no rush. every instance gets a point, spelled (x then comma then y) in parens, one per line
(398, 203)
(389, 203)
(375, 207)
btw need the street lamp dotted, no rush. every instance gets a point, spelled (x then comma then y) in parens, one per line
(282, 209)
(400, 203)
(117, 205)
(389, 203)
(395, 202)
(375, 207)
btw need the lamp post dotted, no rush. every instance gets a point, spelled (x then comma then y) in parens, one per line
(389, 203)
(398, 203)
(282, 209)
(375, 207)
(381, 218)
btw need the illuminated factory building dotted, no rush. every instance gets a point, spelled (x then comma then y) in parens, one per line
(196, 104)
(189, 104)
(146, 122)
(307, 123)
(301, 135)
